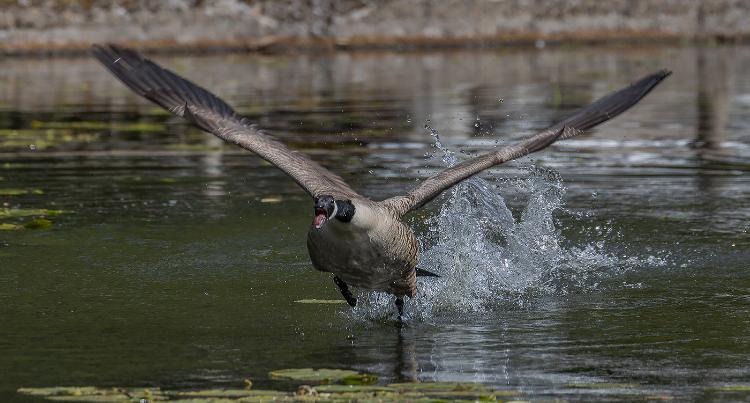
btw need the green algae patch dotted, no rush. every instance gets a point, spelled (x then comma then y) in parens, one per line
(322, 375)
(13, 213)
(10, 227)
(20, 192)
(38, 223)
(320, 301)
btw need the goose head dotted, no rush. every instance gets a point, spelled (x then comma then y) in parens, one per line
(327, 207)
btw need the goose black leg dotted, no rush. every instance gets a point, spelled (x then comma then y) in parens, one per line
(345, 292)
(400, 306)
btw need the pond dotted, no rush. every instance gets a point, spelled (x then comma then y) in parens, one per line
(616, 258)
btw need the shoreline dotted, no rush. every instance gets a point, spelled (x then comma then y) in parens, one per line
(388, 44)
(68, 27)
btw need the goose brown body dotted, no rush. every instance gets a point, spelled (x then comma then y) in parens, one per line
(370, 247)
(375, 251)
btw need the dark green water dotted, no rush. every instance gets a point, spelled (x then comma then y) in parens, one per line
(171, 267)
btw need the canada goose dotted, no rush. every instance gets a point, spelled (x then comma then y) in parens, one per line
(363, 242)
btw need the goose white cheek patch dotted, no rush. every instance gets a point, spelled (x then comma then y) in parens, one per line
(335, 209)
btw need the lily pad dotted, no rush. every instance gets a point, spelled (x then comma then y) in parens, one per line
(320, 301)
(323, 375)
(359, 379)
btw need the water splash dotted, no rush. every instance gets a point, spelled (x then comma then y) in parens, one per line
(449, 157)
(488, 257)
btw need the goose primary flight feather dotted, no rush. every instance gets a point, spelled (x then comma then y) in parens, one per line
(363, 242)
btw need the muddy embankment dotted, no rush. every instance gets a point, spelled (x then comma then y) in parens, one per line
(69, 26)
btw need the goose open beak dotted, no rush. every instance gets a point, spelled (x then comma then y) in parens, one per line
(320, 218)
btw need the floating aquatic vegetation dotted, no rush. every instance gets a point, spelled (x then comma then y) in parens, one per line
(11, 213)
(322, 375)
(415, 392)
(438, 386)
(94, 125)
(353, 388)
(451, 390)
(94, 394)
(40, 139)
(20, 192)
(38, 223)
(320, 301)
(271, 199)
(227, 393)
(731, 388)
(9, 227)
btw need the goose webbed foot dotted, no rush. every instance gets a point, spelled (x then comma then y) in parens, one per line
(345, 291)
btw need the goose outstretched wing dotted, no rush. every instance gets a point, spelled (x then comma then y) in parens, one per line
(210, 113)
(598, 112)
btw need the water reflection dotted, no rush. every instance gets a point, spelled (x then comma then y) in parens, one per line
(713, 97)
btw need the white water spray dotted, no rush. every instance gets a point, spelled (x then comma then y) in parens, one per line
(487, 257)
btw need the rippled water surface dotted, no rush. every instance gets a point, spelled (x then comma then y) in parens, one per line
(618, 257)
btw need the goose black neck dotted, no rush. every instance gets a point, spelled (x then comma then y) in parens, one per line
(344, 210)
